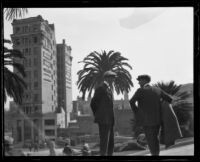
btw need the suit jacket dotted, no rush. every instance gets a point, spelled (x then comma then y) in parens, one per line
(148, 112)
(170, 125)
(102, 105)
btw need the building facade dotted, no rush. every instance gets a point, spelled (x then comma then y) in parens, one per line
(64, 63)
(84, 118)
(36, 118)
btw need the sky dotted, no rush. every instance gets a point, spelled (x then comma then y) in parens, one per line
(156, 41)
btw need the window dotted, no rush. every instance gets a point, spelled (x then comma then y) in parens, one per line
(26, 51)
(27, 73)
(28, 110)
(26, 97)
(35, 97)
(26, 41)
(35, 74)
(35, 84)
(29, 41)
(35, 40)
(36, 109)
(35, 61)
(17, 29)
(29, 85)
(26, 29)
(25, 62)
(23, 51)
(29, 51)
(35, 50)
(17, 41)
(23, 41)
(49, 122)
(30, 62)
(35, 28)
(49, 132)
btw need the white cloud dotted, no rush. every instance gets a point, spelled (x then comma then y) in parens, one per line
(141, 16)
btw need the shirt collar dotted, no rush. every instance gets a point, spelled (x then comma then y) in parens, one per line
(147, 84)
(106, 83)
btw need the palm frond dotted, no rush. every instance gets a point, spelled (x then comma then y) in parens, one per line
(12, 13)
(14, 85)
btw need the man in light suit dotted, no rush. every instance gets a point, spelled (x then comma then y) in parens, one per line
(148, 111)
(102, 107)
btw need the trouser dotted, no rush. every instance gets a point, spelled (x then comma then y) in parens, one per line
(106, 139)
(152, 136)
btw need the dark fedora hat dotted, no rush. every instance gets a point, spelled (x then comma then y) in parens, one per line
(144, 77)
(109, 73)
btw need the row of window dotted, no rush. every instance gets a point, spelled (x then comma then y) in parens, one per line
(25, 41)
(49, 122)
(30, 51)
(35, 85)
(47, 43)
(26, 28)
(31, 109)
(29, 74)
(50, 132)
(28, 97)
(48, 57)
(29, 63)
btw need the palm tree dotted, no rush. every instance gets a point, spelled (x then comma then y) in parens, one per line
(98, 63)
(181, 106)
(13, 82)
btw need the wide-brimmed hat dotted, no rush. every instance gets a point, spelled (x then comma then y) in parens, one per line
(144, 77)
(109, 73)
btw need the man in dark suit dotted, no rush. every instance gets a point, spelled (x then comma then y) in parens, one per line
(102, 107)
(148, 111)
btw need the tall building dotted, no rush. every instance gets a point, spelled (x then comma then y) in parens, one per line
(64, 63)
(37, 119)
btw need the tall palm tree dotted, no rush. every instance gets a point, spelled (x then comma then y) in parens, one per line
(181, 106)
(98, 63)
(13, 82)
